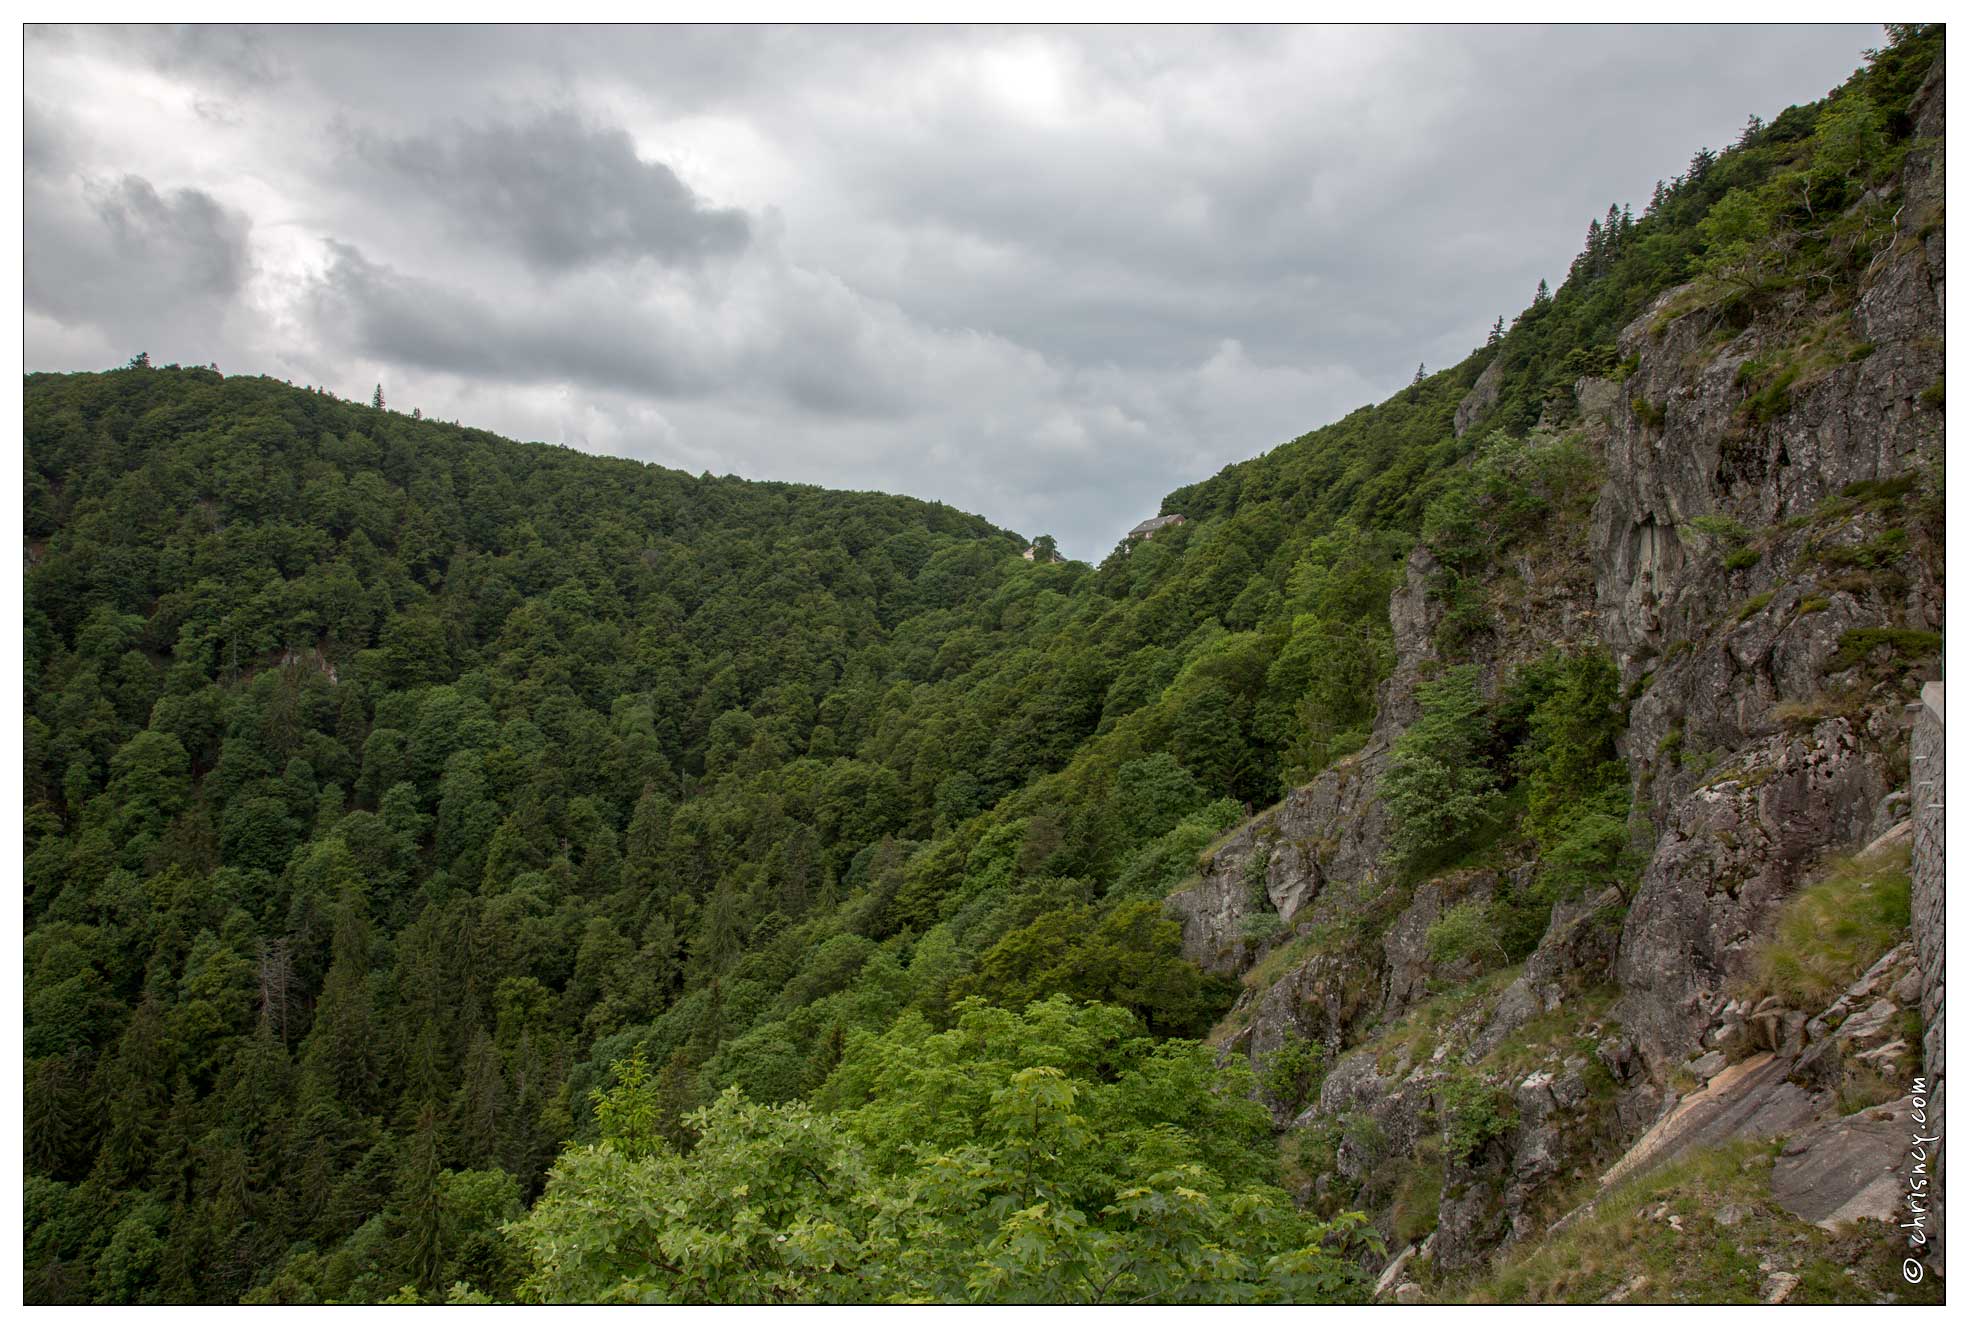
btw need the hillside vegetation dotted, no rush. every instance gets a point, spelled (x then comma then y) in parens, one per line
(464, 868)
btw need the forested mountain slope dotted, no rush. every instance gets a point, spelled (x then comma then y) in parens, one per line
(406, 806)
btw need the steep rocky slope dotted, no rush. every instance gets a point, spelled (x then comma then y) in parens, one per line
(1761, 559)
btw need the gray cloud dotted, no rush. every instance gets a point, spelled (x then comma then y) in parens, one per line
(122, 256)
(1046, 275)
(821, 351)
(371, 310)
(563, 193)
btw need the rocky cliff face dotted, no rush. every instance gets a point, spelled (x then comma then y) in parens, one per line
(1763, 736)
(1769, 583)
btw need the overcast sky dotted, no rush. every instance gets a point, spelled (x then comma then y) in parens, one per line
(1046, 276)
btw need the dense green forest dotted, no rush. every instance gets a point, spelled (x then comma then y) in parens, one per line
(407, 807)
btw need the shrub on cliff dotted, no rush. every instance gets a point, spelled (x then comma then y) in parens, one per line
(1438, 789)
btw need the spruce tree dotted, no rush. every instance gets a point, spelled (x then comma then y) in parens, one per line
(138, 1093)
(420, 1205)
(51, 1114)
(478, 1108)
(339, 1056)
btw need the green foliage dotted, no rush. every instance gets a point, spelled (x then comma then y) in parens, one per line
(1754, 605)
(1438, 789)
(1464, 933)
(1130, 955)
(1907, 645)
(1720, 527)
(1257, 871)
(1568, 754)
(1592, 848)
(1291, 1074)
(1576, 786)
(1261, 926)
(1163, 864)
(1512, 491)
(1474, 1113)
(1774, 397)
(1881, 550)
(954, 1167)
(630, 1115)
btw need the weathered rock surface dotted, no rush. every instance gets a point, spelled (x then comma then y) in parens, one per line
(1778, 1288)
(1773, 1073)
(1331, 831)
(1847, 1169)
(1391, 1276)
(1408, 969)
(1730, 854)
(1716, 649)
(1577, 948)
(1752, 1099)
(1481, 397)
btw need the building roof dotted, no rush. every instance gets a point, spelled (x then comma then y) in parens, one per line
(1154, 524)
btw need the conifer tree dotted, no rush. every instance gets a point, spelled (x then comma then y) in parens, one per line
(478, 1109)
(51, 1114)
(138, 1092)
(339, 1055)
(420, 1205)
(718, 942)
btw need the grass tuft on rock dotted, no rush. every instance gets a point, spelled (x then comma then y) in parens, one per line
(1829, 933)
